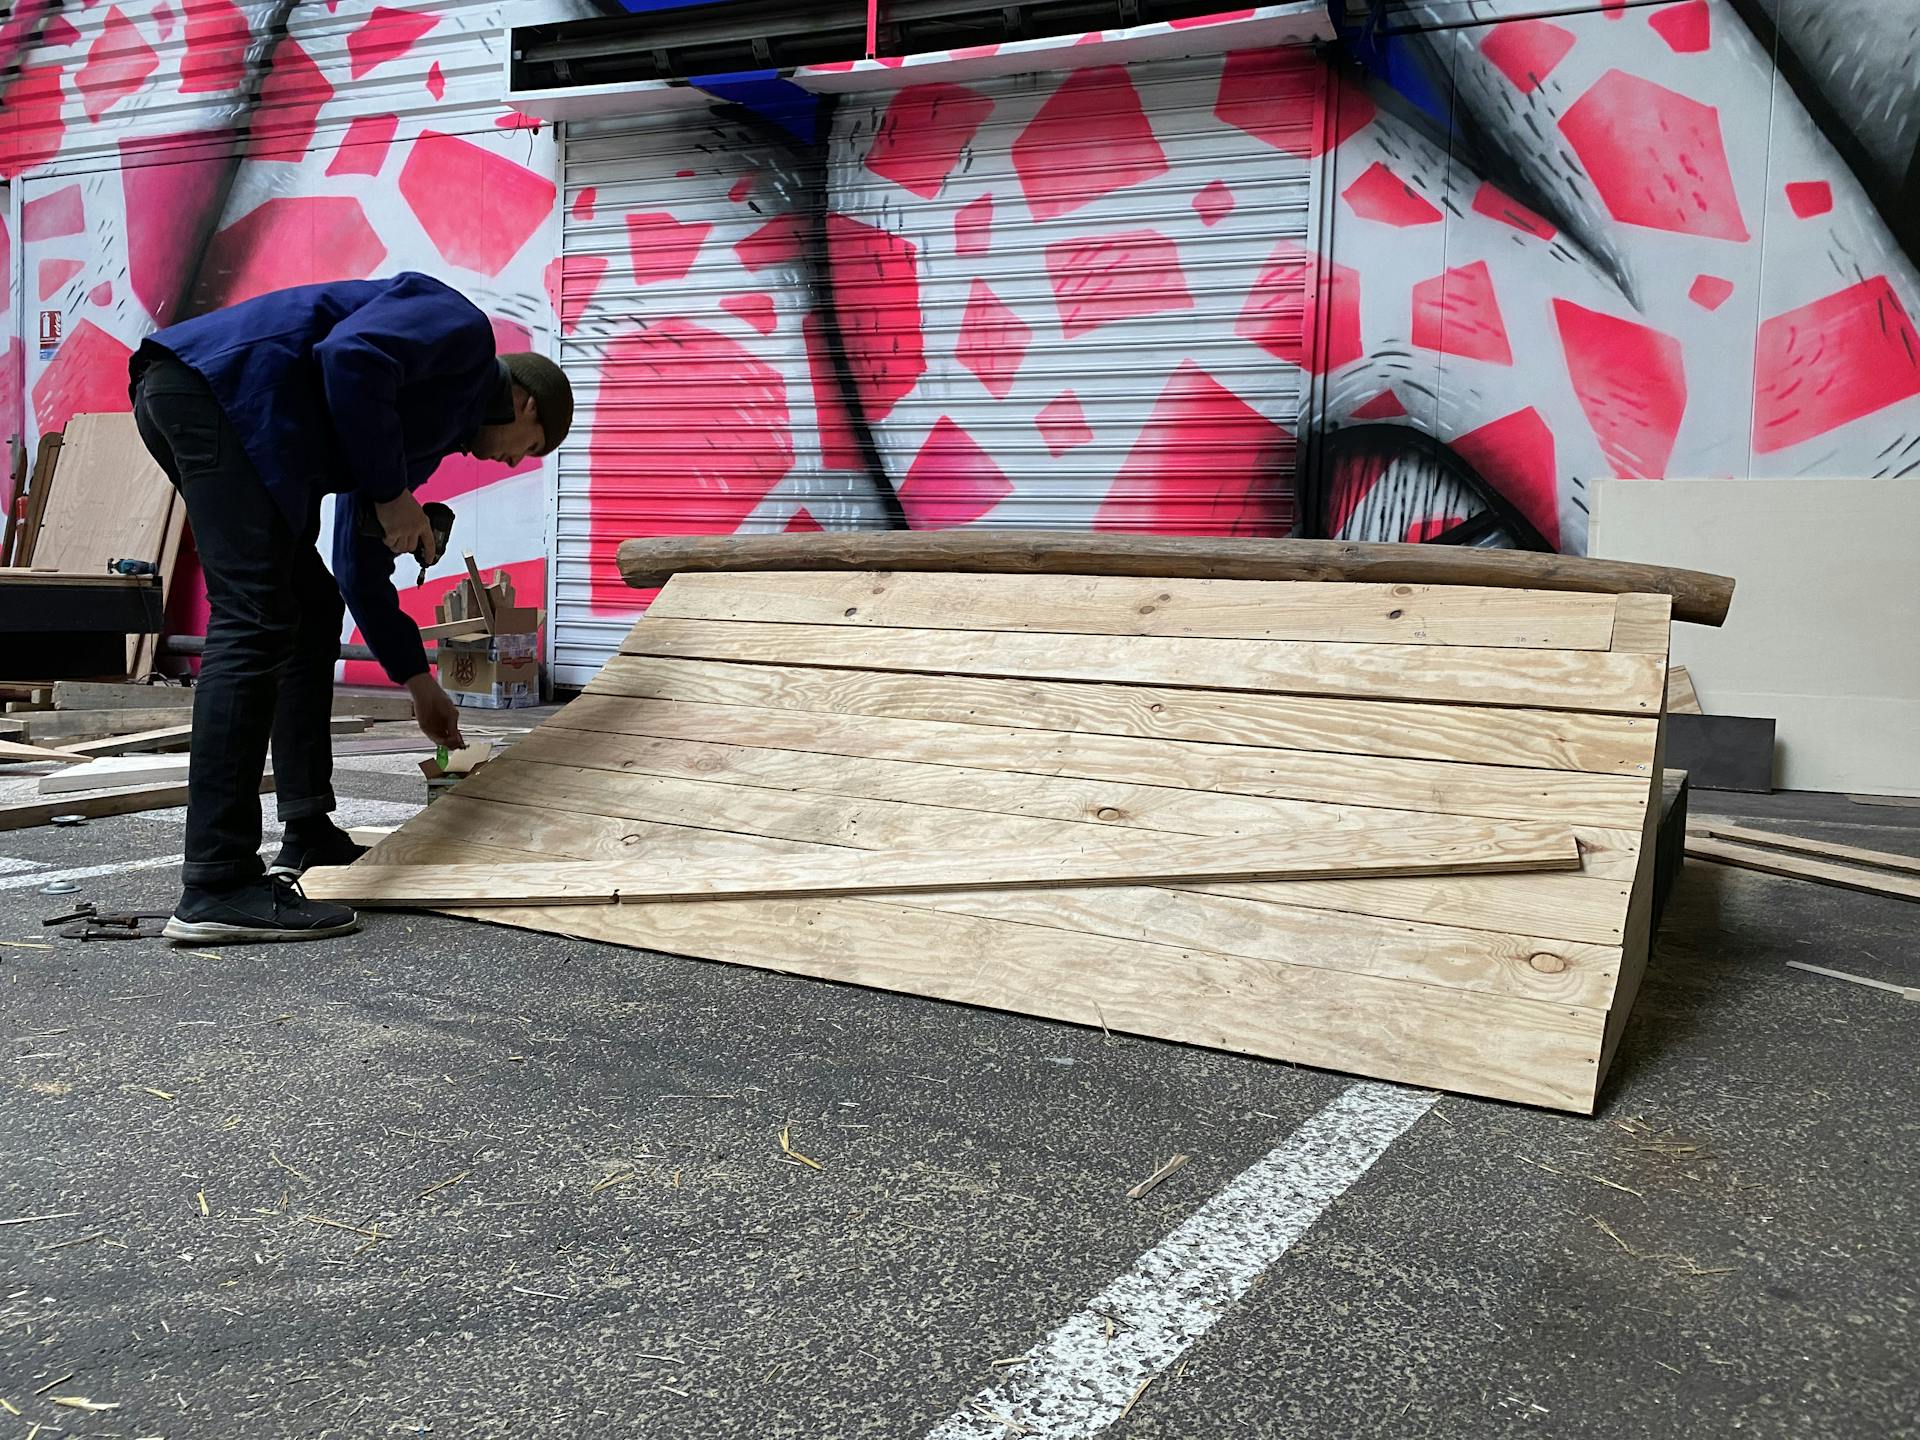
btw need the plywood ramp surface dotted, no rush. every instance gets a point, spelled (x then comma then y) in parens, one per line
(765, 724)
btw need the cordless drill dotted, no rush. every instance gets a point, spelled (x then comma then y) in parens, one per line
(439, 517)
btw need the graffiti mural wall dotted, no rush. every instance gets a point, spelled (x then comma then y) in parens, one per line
(1428, 281)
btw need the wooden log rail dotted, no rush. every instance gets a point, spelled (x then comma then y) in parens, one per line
(1697, 596)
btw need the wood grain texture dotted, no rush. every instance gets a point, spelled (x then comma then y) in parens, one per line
(118, 695)
(116, 772)
(110, 502)
(1802, 845)
(14, 750)
(645, 564)
(1796, 867)
(1110, 605)
(1612, 683)
(166, 737)
(1531, 738)
(1642, 625)
(1430, 848)
(1682, 698)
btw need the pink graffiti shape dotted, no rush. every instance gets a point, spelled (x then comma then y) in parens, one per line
(571, 283)
(1631, 382)
(993, 340)
(1384, 406)
(951, 481)
(30, 124)
(101, 295)
(1709, 292)
(1277, 320)
(118, 63)
(436, 82)
(1213, 203)
(58, 212)
(59, 33)
(839, 449)
(88, 376)
(755, 309)
(477, 207)
(742, 188)
(1687, 28)
(295, 240)
(1421, 531)
(1207, 463)
(1225, 17)
(12, 373)
(1090, 139)
(1381, 195)
(165, 200)
(56, 273)
(1526, 51)
(973, 227)
(1273, 95)
(1063, 424)
(923, 134)
(1830, 362)
(1809, 198)
(217, 40)
(1515, 455)
(1105, 278)
(1655, 156)
(582, 208)
(364, 150)
(385, 35)
(662, 247)
(290, 101)
(707, 436)
(774, 243)
(877, 283)
(1490, 201)
(801, 522)
(162, 17)
(1457, 313)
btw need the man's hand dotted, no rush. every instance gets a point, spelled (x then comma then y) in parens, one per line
(405, 527)
(435, 712)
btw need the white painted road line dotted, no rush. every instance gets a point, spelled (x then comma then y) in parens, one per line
(88, 872)
(1076, 1382)
(11, 866)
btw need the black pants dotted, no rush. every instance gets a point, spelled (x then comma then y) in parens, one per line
(272, 641)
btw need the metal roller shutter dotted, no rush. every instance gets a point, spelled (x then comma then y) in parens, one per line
(1058, 300)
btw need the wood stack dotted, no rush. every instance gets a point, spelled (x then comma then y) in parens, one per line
(1025, 728)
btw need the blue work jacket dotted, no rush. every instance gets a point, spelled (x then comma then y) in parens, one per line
(358, 388)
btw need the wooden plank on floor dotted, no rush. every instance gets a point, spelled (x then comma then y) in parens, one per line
(1119, 605)
(1803, 845)
(1534, 739)
(1496, 791)
(1795, 867)
(1605, 681)
(116, 772)
(13, 750)
(1108, 804)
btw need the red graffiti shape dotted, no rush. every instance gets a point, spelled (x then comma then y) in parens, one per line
(1063, 424)
(1213, 203)
(1105, 278)
(951, 481)
(662, 247)
(801, 522)
(703, 436)
(1293, 283)
(56, 273)
(167, 203)
(1655, 156)
(384, 35)
(1207, 463)
(877, 286)
(1488, 200)
(571, 282)
(839, 449)
(364, 150)
(774, 243)
(217, 40)
(58, 212)
(1831, 362)
(1381, 195)
(1526, 51)
(1384, 406)
(1090, 139)
(118, 63)
(1809, 198)
(993, 340)
(299, 240)
(477, 207)
(30, 124)
(1274, 95)
(88, 376)
(290, 101)
(1709, 292)
(923, 133)
(1687, 28)
(973, 227)
(755, 309)
(1515, 455)
(1631, 381)
(1457, 313)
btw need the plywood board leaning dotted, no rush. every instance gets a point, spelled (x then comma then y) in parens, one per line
(755, 728)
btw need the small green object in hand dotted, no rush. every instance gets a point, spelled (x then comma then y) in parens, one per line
(440, 757)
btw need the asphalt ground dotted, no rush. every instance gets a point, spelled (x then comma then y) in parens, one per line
(453, 1179)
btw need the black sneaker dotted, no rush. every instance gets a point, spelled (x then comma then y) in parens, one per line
(266, 909)
(302, 848)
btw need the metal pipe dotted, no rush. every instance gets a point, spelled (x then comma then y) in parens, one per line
(192, 647)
